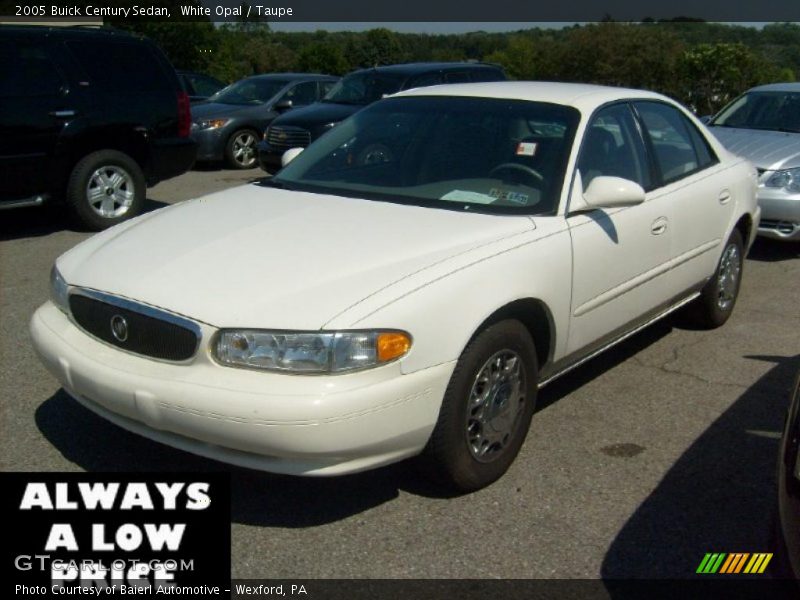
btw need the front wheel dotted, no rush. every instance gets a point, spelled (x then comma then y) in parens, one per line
(718, 297)
(105, 188)
(486, 410)
(240, 151)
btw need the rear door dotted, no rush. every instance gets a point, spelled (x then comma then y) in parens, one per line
(36, 103)
(701, 201)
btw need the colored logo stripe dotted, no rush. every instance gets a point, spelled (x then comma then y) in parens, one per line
(721, 562)
(758, 563)
(711, 562)
(734, 563)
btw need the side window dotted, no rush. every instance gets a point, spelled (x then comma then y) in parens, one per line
(204, 86)
(678, 153)
(456, 77)
(119, 66)
(302, 94)
(325, 87)
(26, 70)
(612, 147)
(425, 80)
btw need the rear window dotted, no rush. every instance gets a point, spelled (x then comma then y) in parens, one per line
(120, 66)
(488, 75)
(26, 70)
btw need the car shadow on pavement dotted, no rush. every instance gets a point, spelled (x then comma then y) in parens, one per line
(718, 496)
(43, 220)
(257, 498)
(765, 250)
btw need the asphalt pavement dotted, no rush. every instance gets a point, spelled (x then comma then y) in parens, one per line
(636, 465)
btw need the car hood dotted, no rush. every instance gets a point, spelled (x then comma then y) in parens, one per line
(320, 113)
(765, 149)
(261, 257)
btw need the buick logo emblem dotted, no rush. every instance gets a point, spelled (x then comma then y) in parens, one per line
(119, 328)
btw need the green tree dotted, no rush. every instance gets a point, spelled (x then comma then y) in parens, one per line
(322, 57)
(713, 74)
(375, 47)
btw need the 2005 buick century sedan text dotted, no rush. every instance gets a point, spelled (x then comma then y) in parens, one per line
(406, 284)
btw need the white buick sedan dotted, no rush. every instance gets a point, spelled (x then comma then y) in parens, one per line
(406, 284)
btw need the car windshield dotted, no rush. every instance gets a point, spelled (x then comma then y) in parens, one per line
(482, 154)
(249, 91)
(363, 88)
(779, 111)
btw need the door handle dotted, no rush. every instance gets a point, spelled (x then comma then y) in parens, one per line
(659, 226)
(724, 197)
(62, 114)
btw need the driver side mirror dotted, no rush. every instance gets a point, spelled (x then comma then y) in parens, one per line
(283, 105)
(605, 192)
(706, 119)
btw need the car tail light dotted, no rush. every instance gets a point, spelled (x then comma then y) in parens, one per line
(184, 114)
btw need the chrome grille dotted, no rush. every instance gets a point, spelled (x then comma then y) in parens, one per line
(147, 331)
(288, 137)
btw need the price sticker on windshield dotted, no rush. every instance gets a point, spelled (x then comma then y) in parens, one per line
(526, 148)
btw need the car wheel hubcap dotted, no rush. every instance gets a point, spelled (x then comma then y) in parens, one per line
(496, 404)
(730, 268)
(244, 149)
(110, 191)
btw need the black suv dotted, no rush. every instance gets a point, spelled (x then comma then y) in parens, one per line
(300, 127)
(89, 117)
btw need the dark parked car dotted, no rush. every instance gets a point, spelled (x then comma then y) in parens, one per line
(89, 117)
(789, 487)
(199, 86)
(230, 123)
(354, 92)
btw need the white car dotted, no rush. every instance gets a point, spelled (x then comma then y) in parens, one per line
(405, 285)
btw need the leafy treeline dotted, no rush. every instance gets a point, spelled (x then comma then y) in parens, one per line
(701, 64)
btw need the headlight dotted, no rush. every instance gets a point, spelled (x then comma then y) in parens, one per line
(58, 290)
(212, 123)
(308, 352)
(788, 179)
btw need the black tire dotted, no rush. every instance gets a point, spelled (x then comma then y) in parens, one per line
(241, 151)
(463, 452)
(718, 297)
(105, 188)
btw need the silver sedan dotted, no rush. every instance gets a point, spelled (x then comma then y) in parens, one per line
(763, 125)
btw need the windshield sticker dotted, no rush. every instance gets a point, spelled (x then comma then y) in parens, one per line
(467, 196)
(512, 197)
(526, 148)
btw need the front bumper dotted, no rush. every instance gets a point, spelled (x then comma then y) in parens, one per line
(300, 425)
(780, 214)
(210, 143)
(269, 157)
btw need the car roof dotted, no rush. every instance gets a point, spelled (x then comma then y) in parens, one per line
(292, 76)
(416, 68)
(777, 87)
(584, 97)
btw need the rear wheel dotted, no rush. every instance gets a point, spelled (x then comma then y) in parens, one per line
(486, 410)
(240, 151)
(105, 188)
(718, 297)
